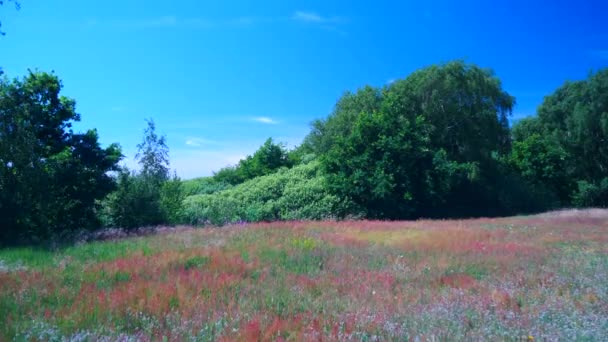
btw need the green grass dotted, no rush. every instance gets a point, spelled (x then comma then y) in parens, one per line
(305, 281)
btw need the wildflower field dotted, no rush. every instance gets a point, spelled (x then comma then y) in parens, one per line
(523, 278)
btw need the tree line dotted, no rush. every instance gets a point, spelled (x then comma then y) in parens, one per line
(435, 144)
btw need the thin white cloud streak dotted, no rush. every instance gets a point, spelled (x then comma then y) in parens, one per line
(330, 24)
(314, 18)
(171, 21)
(198, 142)
(307, 17)
(265, 120)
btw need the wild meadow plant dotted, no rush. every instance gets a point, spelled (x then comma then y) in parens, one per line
(522, 278)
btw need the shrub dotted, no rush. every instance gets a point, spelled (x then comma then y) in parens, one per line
(141, 201)
(135, 203)
(266, 160)
(592, 195)
(290, 194)
(203, 185)
(171, 199)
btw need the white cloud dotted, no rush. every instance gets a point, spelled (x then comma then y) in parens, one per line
(198, 142)
(170, 21)
(265, 120)
(314, 18)
(325, 23)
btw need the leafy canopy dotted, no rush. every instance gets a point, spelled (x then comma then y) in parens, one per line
(50, 176)
(569, 137)
(410, 148)
(267, 159)
(150, 197)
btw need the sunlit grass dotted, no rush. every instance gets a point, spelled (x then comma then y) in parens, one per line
(543, 277)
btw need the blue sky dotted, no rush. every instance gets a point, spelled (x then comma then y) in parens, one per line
(219, 77)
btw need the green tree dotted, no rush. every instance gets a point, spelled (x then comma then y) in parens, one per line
(135, 203)
(172, 196)
(540, 161)
(153, 154)
(50, 176)
(419, 146)
(267, 159)
(150, 197)
(566, 145)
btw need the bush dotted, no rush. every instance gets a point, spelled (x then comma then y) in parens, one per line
(51, 178)
(266, 160)
(203, 186)
(299, 193)
(135, 203)
(171, 200)
(141, 201)
(592, 195)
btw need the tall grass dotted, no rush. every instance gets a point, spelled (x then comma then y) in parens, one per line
(524, 278)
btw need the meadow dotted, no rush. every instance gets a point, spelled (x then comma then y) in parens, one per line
(541, 277)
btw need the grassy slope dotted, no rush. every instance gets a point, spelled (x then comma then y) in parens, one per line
(540, 277)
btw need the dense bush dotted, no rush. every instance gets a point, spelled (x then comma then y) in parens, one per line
(51, 178)
(435, 144)
(135, 203)
(149, 197)
(203, 186)
(421, 146)
(171, 200)
(288, 194)
(565, 147)
(267, 159)
(591, 194)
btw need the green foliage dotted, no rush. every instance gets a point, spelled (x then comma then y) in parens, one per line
(153, 155)
(266, 160)
(196, 262)
(150, 197)
(229, 175)
(135, 203)
(564, 147)
(203, 186)
(50, 176)
(591, 194)
(171, 200)
(289, 194)
(540, 161)
(415, 147)
(516, 194)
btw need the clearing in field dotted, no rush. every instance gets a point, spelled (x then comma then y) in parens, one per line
(538, 277)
